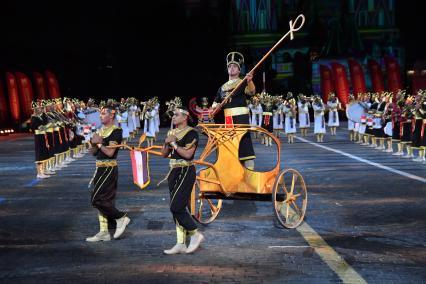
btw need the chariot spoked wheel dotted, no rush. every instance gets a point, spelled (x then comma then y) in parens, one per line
(290, 198)
(205, 210)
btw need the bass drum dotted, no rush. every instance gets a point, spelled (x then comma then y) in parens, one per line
(354, 111)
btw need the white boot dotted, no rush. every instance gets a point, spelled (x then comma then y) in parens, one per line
(121, 226)
(195, 242)
(101, 236)
(178, 248)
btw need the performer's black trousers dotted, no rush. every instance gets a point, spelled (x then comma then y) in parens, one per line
(181, 180)
(104, 191)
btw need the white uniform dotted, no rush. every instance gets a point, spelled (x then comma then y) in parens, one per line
(290, 120)
(333, 114)
(363, 123)
(137, 120)
(122, 120)
(319, 121)
(157, 117)
(304, 119)
(130, 121)
(278, 118)
(149, 123)
(256, 115)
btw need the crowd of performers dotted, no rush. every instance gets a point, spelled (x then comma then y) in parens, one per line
(286, 115)
(63, 127)
(66, 129)
(392, 118)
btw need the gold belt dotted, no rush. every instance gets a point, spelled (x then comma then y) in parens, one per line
(56, 129)
(106, 163)
(38, 132)
(179, 163)
(49, 130)
(234, 111)
(267, 113)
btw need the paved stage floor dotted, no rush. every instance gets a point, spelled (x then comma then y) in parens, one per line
(366, 221)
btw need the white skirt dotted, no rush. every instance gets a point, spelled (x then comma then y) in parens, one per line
(304, 120)
(290, 125)
(125, 129)
(319, 124)
(149, 127)
(278, 121)
(333, 118)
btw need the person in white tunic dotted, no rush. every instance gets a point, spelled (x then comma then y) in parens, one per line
(303, 106)
(319, 121)
(157, 114)
(122, 117)
(365, 102)
(278, 116)
(149, 124)
(351, 123)
(137, 114)
(256, 113)
(333, 107)
(130, 121)
(290, 113)
(133, 117)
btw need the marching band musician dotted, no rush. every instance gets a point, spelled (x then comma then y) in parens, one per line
(319, 121)
(122, 119)
(267, 107)
(256, 112)
(278, 116)
(290, 113)
(422, 110)
(387, 118)
(418, 117)
(378, 123)
(149, 122)
(156, 104)
(180, 145)
(106, 176)
(370, 99)
(235, 109)
(204, 113)
(407, 116)
(41, 143)
(364, 101)
(303, 106)
(351, 124)
(333, 106)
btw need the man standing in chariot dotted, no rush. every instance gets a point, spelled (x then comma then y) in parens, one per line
(235, 109)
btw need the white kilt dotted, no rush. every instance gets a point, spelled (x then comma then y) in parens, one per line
(333, 118)
(278, 121)
(304, 120)
(290, 125)
(319, 124)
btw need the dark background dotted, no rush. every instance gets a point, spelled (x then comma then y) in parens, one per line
(104, 49)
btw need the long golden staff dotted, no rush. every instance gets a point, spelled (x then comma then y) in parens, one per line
(293, 28)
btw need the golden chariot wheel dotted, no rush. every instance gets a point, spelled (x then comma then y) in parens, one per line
(290, 198)
(203, 210)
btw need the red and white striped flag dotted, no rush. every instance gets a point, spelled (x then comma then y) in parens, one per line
(140, 168)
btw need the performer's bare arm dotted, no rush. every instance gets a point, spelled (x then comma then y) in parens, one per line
(97, 141)
(182, 151)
